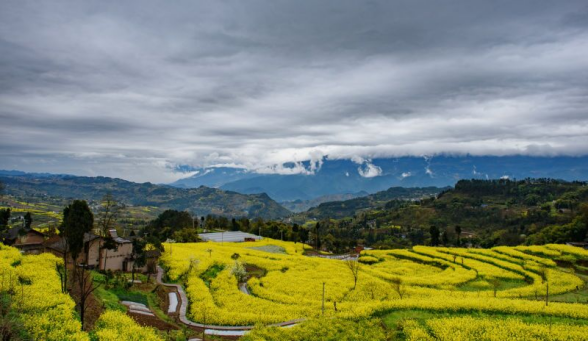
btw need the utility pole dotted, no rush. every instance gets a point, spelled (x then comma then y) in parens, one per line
(323, 298)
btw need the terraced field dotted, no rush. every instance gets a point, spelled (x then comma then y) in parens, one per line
(503, 282)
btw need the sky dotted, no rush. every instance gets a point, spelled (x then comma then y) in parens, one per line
(143, 89)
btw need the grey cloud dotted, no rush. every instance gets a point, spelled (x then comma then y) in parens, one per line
(106, 88)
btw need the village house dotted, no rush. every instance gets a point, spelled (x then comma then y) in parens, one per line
(27, 240)
(95, 256)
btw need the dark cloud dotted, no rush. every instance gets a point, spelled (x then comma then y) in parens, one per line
(135, 88)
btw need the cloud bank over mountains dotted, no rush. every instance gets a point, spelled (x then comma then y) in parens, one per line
(138, 88)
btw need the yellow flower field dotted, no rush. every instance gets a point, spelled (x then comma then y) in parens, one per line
(34, 286)
(288, 285)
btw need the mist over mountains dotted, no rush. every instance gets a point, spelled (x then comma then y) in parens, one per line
(370, 176)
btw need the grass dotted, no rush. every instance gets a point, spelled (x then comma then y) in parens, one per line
(133, 296)
(109, 300)
(153, 303)
(211, 273)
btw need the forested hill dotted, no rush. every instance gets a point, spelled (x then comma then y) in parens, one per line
(346, 208)
(200, 201)
(485, 212)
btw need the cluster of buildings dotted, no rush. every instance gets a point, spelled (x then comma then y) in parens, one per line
(94, 254)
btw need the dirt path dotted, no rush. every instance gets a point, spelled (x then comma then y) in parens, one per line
(208, 328)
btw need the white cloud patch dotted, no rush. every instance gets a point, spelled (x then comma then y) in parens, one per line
(369, 170)
(405, 175)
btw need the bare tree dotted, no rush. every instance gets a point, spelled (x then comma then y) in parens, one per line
(398, 286)
(62, 271)
(544, 273)
(353, 266)
(108, 215)
(495, 283)
(372, 288)
(194, 263)
(85, 285)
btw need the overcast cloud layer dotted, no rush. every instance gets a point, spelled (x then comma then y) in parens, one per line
(132, 89)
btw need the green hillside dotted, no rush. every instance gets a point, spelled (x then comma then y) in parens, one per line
(200, 201)
(483, 213)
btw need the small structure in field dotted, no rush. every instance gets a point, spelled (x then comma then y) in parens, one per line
(229, 236)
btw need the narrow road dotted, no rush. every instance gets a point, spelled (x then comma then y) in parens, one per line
(208, 328)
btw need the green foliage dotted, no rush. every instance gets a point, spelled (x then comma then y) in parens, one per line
(77, 220)
(28, 220)
(168, 223)
(211, 273)
(11, 326)
(478, 212)
(238, 270)
(186, 235)
(4, 218)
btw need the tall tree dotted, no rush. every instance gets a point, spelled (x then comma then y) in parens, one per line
(458, 232)
(28, 220)
(138, 256)
(444, 238)
(234, 225)
(317, 239)
(434, 231)
(4, 219)
(77, 221)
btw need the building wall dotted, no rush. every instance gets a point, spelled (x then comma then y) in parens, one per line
(115, 258)
(94, 252)
(29, 238)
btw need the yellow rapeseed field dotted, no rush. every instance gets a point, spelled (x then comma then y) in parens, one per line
(34, 286)
(288, 285)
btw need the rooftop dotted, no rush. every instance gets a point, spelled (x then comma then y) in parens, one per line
(229, 236)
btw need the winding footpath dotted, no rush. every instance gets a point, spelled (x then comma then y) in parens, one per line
(208, 328)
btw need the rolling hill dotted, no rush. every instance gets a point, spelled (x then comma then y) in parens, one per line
(199, 201)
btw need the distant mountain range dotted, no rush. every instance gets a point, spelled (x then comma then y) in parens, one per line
(338, 177)
(199, 201)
